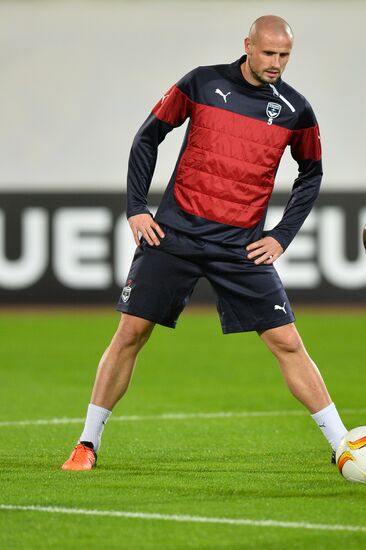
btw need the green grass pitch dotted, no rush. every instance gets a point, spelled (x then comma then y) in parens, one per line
(270, 467)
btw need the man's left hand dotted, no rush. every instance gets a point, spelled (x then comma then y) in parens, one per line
(266, 251)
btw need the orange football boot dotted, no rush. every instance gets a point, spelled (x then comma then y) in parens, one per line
(82, 457)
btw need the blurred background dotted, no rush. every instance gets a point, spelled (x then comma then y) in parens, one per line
(80, 77)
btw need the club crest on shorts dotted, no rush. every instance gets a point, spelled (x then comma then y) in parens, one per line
(126, 292)
(272, 111)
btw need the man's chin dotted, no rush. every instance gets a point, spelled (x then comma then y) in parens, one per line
(263, 78)
(270, 79)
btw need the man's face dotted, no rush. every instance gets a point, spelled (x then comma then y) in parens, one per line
(267, 56)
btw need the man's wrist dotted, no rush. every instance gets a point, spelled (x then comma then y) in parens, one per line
(278, 237)
(135, 212)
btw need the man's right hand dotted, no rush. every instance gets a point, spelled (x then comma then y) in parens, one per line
(147, 227)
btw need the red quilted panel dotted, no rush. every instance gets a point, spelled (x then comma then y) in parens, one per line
(220, 210)
(227, 171)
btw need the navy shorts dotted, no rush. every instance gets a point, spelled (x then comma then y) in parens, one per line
(162, 278)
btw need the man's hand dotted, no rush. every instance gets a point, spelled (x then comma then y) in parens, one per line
(145, 224)
(266, 250)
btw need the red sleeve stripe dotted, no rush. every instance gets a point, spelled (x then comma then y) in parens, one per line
(305, 144)
(173, 108)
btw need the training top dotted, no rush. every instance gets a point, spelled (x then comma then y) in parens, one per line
(225, 172)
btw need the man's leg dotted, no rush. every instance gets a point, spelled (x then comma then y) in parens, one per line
(159, 284)
(304, 379)
(117, 363)
(112, 379)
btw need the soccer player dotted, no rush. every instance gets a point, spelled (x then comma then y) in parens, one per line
(242, 115)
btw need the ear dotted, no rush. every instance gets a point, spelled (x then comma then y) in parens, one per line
(247, 45)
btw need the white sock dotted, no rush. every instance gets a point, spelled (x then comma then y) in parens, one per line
(96, 419)
(330, 424)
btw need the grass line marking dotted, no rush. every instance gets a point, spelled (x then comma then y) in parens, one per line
(187, 518)
(166, 416)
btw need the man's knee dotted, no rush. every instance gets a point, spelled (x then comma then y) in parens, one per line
(132, 332)
(283, 340)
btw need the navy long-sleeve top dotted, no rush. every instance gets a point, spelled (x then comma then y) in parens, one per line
(225, 172)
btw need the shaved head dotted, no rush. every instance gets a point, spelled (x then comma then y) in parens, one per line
(268, 49)
(270, 24)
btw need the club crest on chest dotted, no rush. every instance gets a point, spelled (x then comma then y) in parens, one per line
(272, 111)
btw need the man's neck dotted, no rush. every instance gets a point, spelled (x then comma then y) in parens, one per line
(247, 75)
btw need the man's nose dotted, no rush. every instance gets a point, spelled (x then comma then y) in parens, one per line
(276, 61)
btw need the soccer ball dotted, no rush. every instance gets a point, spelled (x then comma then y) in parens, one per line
(351, 455)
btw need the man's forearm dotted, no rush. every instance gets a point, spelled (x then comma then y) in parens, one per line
(304, 193)
(142, 161)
